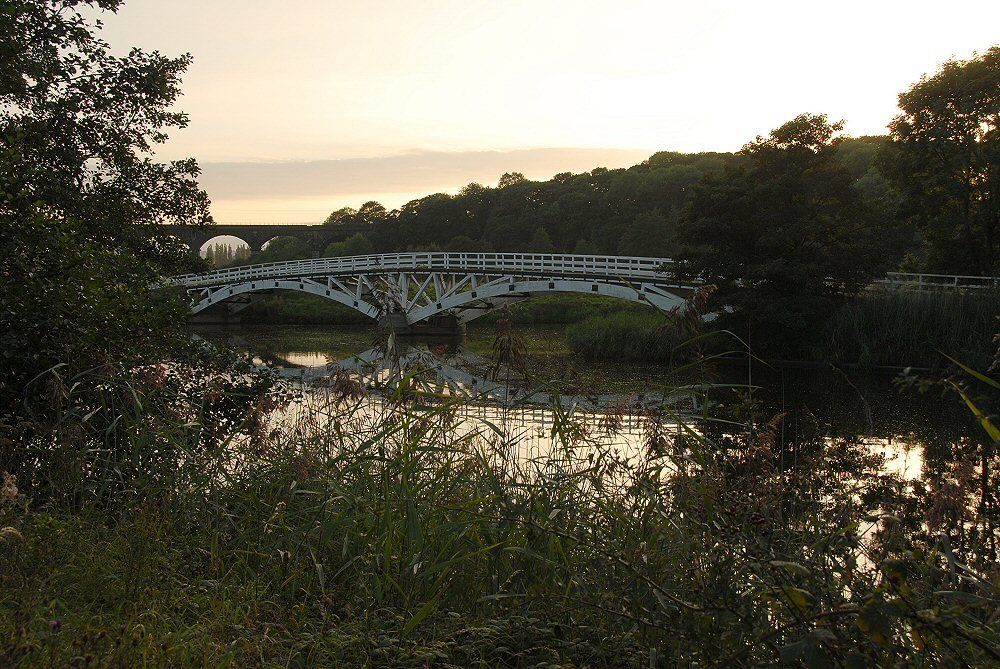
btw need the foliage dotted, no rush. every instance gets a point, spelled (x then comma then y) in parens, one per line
(944, 158)
(341, 215)
(783, 235)
(79, 126)
(355, 245)
(587, 212)
(80, 200)
(225, 255)
(282, 248)
(300, 309)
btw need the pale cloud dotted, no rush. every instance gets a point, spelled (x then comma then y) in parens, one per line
(306, 191)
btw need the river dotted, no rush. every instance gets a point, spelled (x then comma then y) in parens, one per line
(909, 427)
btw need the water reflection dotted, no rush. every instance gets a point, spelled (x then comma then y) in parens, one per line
(531, 420)
(914, 432)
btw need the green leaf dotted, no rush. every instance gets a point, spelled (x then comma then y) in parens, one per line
(799, 598)
(984, 420)
(809, 650)
(874, 624)
(792, 567)
(979, 375)
(965, 598)
(427, 609)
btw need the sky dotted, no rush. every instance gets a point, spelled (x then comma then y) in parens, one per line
(301, 107)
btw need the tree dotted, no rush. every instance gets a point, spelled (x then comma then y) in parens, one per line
(944, 158)
(283, 248)
(509, 179)
(465, 244)
(371, 212)
(342, 215)
(782, 236)
(649, 235)
(355, 245)
(81, 198)
(541, 242)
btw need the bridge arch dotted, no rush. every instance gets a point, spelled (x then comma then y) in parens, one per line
(413, 288)
(237, 297)
(232, 241)
(471, 304)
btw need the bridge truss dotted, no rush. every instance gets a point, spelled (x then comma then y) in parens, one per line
(411, 288)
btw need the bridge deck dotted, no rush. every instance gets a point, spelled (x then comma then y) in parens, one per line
(654, 270)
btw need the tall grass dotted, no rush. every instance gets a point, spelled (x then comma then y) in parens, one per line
(905, 328)
(879, 328)
(626, 336)
(359, 533)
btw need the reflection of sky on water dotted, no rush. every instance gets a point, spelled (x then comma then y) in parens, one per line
(527, 423)
(532, 440)
(896, 425)
(303, 359)
(902, 457)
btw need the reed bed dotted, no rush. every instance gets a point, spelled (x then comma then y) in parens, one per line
(909, 328)
(876, 329)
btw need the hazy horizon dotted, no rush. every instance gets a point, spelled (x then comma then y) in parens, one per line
(311, 189)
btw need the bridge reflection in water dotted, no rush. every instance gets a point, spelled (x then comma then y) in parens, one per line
(537, 424)
(533, 424)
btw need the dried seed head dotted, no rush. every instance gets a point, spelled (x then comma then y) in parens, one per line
(10, 535)
(8, 490)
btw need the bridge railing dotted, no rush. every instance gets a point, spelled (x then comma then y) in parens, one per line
(918, 281)
(552, 264)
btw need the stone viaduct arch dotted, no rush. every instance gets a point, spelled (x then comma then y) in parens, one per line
(316, 236)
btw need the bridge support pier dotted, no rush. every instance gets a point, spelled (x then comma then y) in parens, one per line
(444, 325)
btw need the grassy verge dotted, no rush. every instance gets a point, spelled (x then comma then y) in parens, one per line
(300, 309)
(565, 309)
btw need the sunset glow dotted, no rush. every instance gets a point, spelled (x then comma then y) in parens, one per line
(328, 81)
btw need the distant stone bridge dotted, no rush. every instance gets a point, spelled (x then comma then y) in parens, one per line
(412, 292)
(256, 236)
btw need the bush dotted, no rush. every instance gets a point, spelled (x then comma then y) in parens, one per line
(626, 336)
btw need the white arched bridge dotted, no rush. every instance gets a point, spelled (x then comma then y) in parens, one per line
(407, 290)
